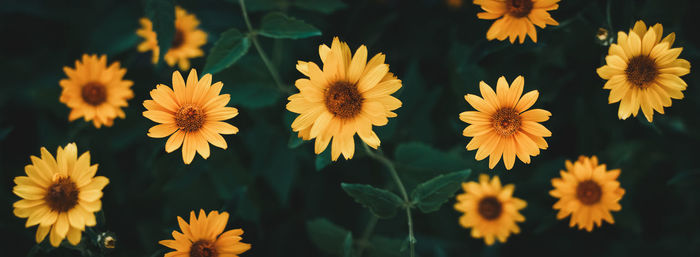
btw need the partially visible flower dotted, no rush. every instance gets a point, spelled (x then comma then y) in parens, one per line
(204, 236)
(502, 125)
(191, 113)
(643, 71)
(60, 194)
(587, 192)
(454, 3)
(186, 42)
(95, 91)
(347, 96)
(490, 209)
(516, 18)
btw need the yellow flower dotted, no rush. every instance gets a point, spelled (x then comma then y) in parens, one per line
(60, 195)
(192, 114)
(95, 91)
(587, 192)
(502, 126)
(643, 71)
(349, 95)
(203, 237)
(490, 210)
(516, 18)
(186, 41)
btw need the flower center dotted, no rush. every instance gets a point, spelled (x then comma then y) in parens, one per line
(343, 99)
(506, 121)
(490, 208)
(62, 195)
(178, 39)
(190, 118)
(94, 93)
(588, 192)
(519, 8)
(203, 248)
(641, 71)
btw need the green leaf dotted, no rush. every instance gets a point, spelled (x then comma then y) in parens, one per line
(347, 246)
(162, 15)
(385, 247)
(294, 141)
(323, 159)
(423, 156)
(430, 195)
(327, 236)
(278, 25)
(5, 131)
(249, 84)
(230, 47)
(380, 202)
(323, 6)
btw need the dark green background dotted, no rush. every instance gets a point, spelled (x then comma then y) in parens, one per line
(272, 190)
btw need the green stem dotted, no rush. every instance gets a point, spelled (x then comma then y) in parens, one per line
(254, 39)
(395, 175)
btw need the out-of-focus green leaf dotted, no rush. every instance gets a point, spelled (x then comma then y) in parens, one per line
(423, 156)
(323, 6)
(262, 5)
(162, 15)
(385, 247)
(4, 132)
(323, 159)
(280, 173)
(294, 141)
(249, 84)
(430, 195)
(684, 177)
(347, 246)
(327, 236)
(230, 47)
(278, 25)
(380, 202)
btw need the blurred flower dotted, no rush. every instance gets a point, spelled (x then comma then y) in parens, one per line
(60, 195)
(603, 37)
(186, 41)
(454, 3)
(490, 210)
(95, 91)
(191, 114)
(515, 18)
(643, 71)
(347, 96)
(587, 192)
(502, 126)
(203, 237)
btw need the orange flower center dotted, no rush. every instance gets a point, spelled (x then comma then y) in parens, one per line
(506, 121)
(641, 71)
(94, 93)
(178, 39)
(343, 100)
(588, 192)
(490, 208)
(190, 118)
(62, 195)
(519, 8)
(203, 248)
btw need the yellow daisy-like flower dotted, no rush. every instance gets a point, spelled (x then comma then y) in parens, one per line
(95, 91)
(349, 95)
(186, 42)
(59, 195)
(502, 125)
(203, 237)
(516, 18)
(587, 192)
(191, 113)
(643, 71)
(490, 209)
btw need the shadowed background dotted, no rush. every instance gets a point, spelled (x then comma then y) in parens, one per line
(273, 186)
